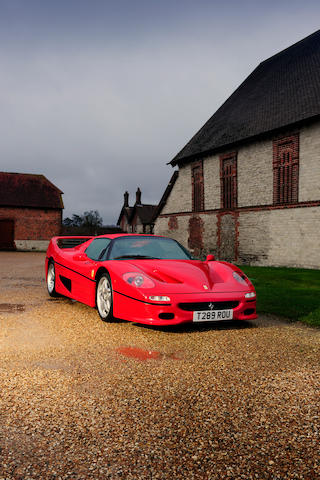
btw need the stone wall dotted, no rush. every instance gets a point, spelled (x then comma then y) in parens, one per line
(295, 237)
(180, 199)
(309, 168)
(180, 231)
(254, 238)
(255, 174)
(285, 237)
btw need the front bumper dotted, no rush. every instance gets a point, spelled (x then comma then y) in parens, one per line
(134, 310)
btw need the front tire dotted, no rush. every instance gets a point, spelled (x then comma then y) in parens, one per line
(104, 298)
(51, 280)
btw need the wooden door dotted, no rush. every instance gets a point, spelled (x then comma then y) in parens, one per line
(7, 234)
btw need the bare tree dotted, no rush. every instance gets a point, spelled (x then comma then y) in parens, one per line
(89, 222)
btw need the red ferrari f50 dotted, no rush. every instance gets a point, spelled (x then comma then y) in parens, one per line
(147, 279)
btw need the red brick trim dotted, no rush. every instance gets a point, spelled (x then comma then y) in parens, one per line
(260, 208)
(195, 240)
(173, 223)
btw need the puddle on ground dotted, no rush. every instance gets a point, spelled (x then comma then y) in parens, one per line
(143, 355)
(61, 299)
(12, 307)
(23, 279)
(53, 365)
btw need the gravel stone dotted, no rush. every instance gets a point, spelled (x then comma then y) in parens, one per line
(84, 399)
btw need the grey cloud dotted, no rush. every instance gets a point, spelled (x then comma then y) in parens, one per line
(103, 114)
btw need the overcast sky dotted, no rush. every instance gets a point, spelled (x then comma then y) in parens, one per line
(99, 95)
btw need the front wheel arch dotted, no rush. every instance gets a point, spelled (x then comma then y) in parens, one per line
(99, 272)
(51, 279)
(104, 295)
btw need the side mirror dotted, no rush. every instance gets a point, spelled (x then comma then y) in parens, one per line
(80, 257)
(210, 258)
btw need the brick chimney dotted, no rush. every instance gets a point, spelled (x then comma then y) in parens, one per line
(126, 199)
(138, 197)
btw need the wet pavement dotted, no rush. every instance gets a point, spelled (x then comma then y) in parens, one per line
(84, 399)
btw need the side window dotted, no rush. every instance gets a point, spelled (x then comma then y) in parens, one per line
(97, 247)
(285, 170)
(197, 187)
(228, 176)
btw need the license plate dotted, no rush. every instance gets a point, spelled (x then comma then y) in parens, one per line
(212, 315)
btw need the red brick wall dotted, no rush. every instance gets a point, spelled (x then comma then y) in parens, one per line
(33, 223)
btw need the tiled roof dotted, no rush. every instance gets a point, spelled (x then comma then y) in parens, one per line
(145, 212)
(127, 211)
(28, 190)
(281, 91)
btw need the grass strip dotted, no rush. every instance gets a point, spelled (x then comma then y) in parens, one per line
(289, 292)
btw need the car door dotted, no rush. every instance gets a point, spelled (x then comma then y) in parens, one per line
(85, 266)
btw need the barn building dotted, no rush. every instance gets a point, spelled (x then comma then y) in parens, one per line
(248, 185)
(136, 219)
(30, 211)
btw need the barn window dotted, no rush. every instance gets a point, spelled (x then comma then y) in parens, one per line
(285, 170)
(228, 176)
(197, 188)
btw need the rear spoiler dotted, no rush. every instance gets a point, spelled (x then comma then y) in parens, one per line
(70, 241)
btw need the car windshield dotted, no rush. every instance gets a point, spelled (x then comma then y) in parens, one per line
(147, 248)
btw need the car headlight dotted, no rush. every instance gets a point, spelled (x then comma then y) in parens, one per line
(240, 277)
(159, 298)
(139, 280)
(250, 295)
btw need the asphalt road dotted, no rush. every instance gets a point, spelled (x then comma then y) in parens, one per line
(84, 399)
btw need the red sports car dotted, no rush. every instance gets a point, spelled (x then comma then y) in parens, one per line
(147, 279)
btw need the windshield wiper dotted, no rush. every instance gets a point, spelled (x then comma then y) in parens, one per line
(136, 256)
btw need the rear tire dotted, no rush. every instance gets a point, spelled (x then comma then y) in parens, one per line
(104, 298)
(51, 280)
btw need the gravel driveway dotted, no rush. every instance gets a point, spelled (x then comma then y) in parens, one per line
(83, 399)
